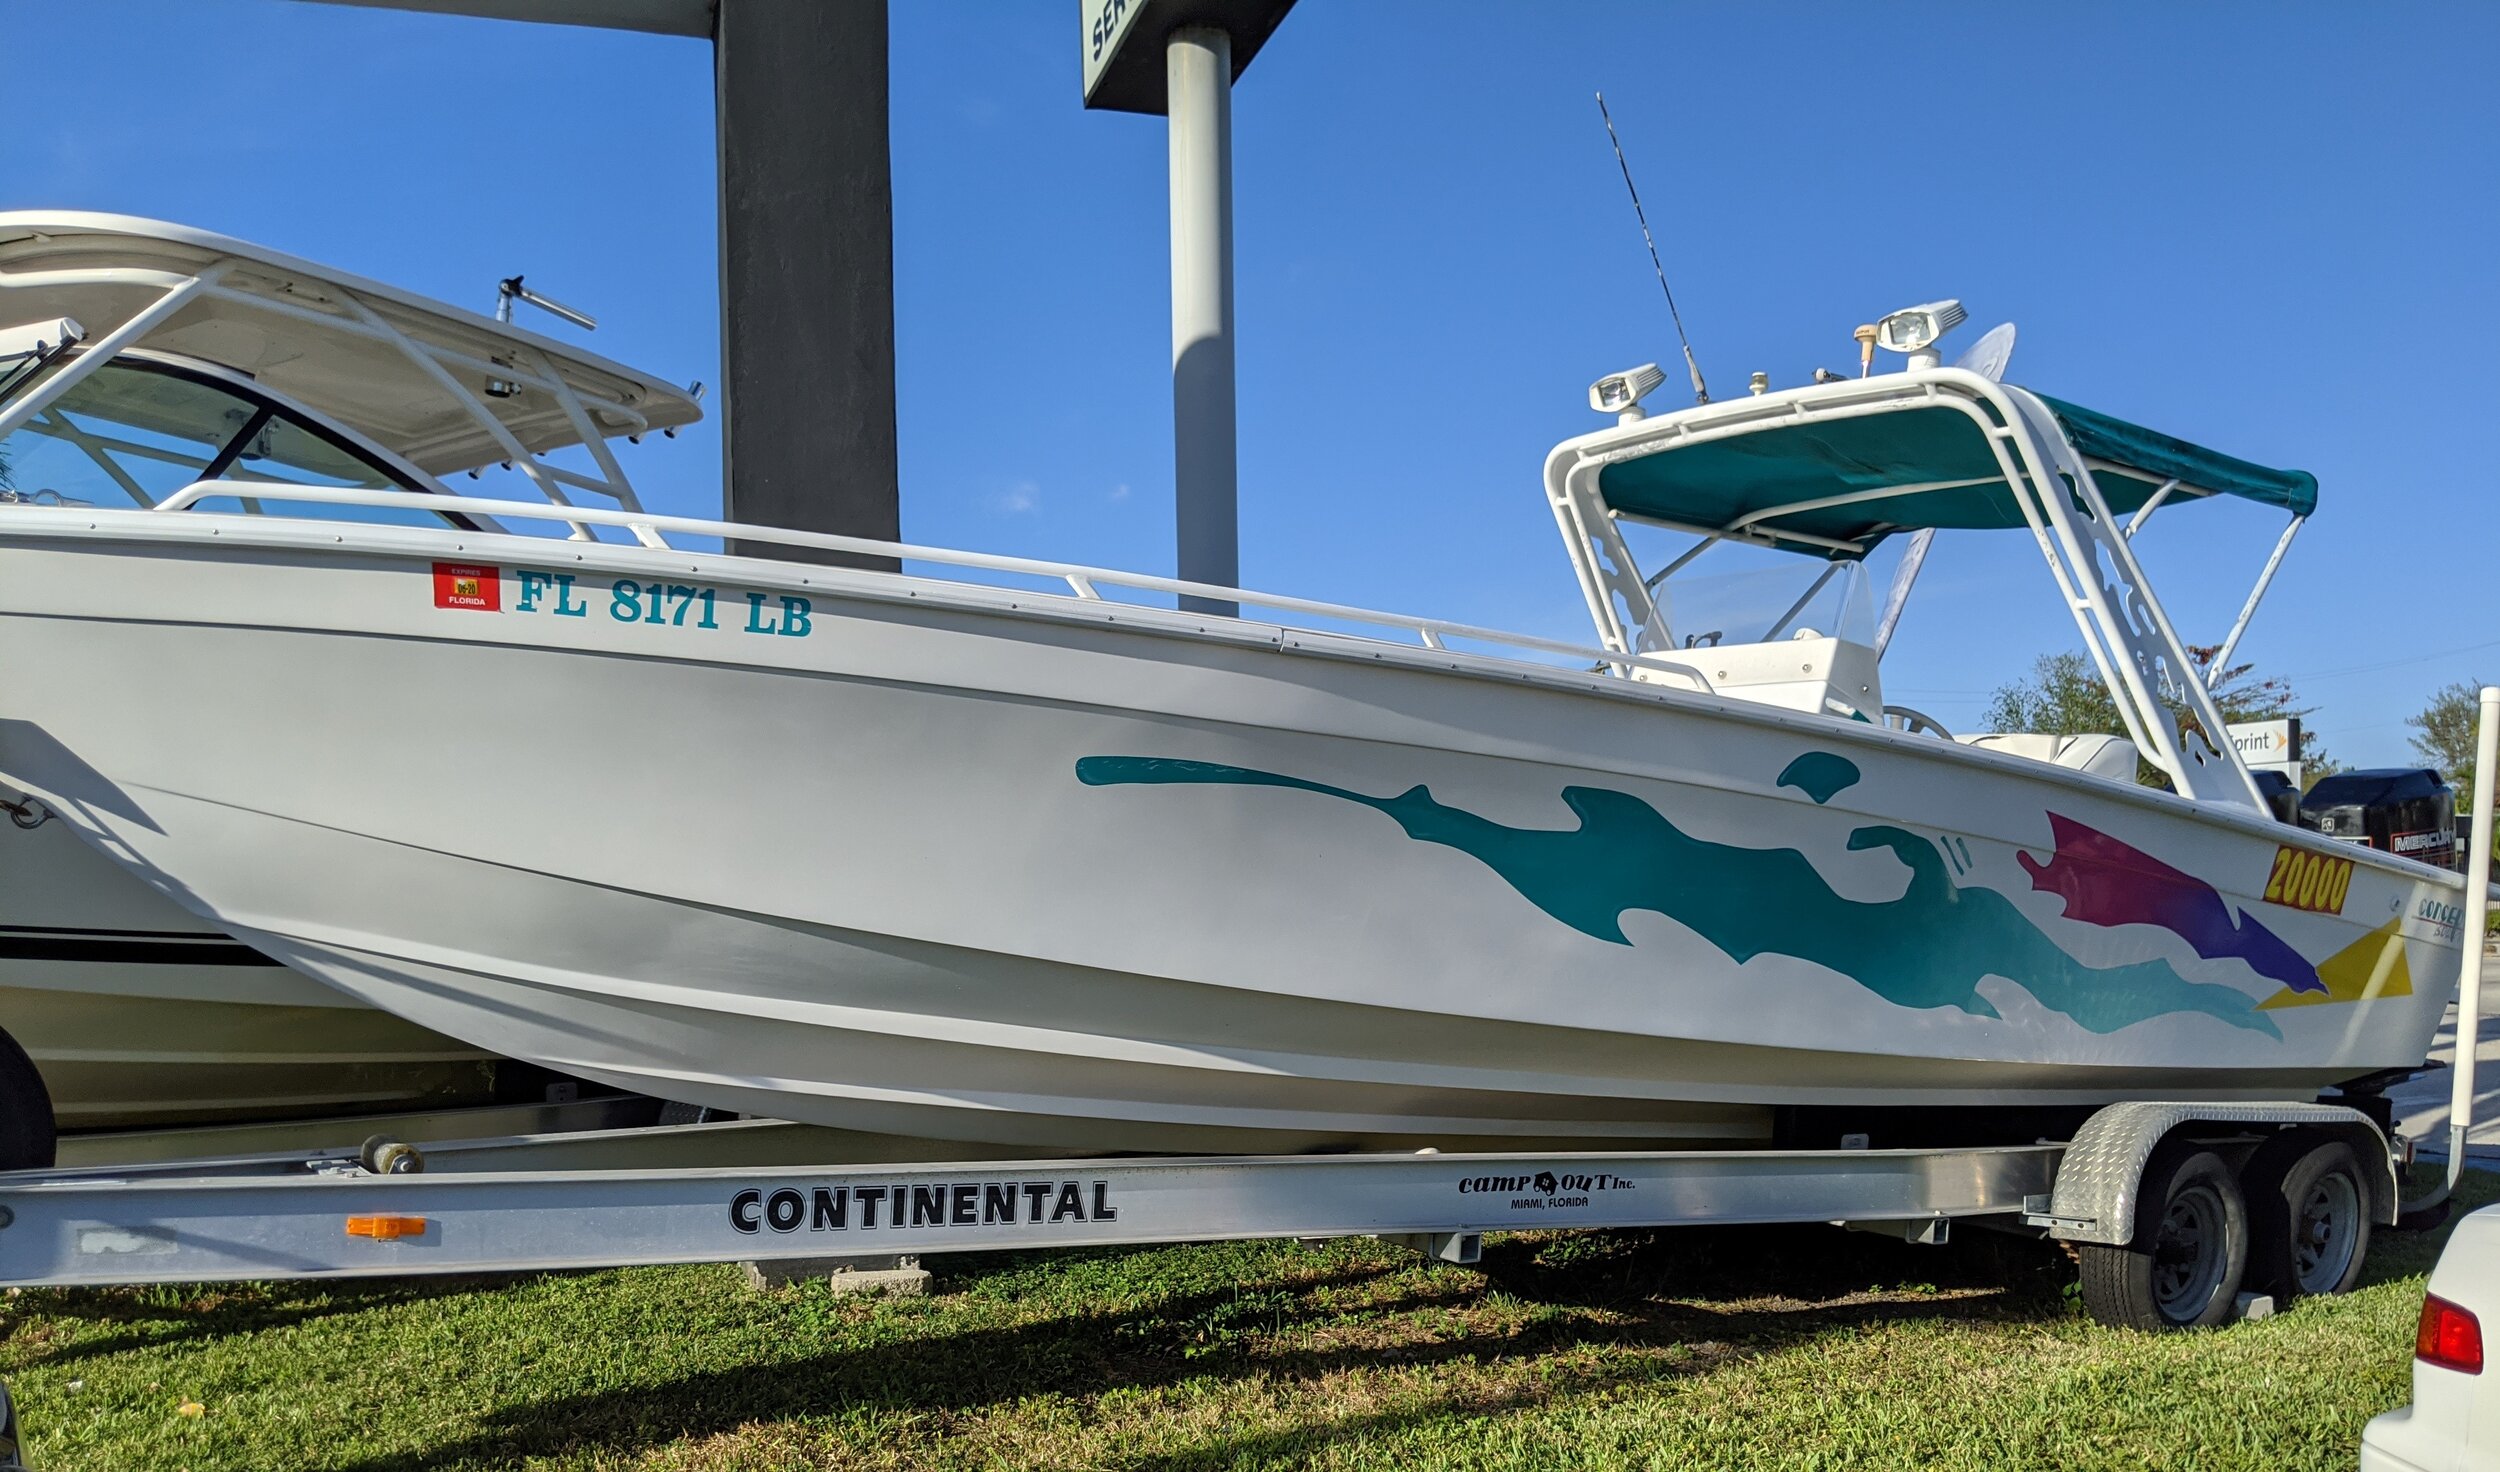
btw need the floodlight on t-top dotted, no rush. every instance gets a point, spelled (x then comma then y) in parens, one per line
(1916, 330)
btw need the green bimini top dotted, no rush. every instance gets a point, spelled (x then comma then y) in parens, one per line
(1938, 456)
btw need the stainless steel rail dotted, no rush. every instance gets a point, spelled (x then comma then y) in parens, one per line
(1082, 581)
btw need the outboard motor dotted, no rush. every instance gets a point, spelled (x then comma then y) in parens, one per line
(2399, 810)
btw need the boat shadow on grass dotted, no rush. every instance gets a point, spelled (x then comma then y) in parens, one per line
(165, 1314)
(1652, 1305)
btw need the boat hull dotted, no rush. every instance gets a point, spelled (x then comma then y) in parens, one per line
(137, 1015)
(892, 855)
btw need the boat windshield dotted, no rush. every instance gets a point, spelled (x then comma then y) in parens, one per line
(1778, 599)
(136, 430)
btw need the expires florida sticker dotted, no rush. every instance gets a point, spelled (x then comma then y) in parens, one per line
(466, 585)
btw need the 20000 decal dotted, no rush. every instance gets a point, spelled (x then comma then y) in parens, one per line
(2309, 881)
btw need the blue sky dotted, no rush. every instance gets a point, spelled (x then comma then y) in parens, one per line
(2266, 227)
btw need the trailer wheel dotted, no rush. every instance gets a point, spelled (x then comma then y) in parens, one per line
(2308, 1216)
(26, 1130)
(2190, 1250)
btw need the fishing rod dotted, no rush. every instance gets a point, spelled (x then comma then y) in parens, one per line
(1701, 391)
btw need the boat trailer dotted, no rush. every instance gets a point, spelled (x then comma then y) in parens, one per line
(594, 1198)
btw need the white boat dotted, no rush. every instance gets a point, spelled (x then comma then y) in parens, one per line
(992, 850)
(134, 1014)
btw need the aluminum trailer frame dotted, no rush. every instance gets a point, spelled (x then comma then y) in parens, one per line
(490, 1206)
(338, 1219)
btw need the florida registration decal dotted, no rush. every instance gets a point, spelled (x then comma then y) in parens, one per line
(2309, 881)
(466, 585)
(657, 604)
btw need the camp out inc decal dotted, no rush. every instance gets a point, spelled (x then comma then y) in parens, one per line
(656, 603)
(1540, 1190)
(909, 1205)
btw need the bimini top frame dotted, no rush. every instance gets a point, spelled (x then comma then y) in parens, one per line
(443, 389)
(2016, 444)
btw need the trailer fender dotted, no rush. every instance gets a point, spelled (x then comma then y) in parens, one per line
(2098, 1178)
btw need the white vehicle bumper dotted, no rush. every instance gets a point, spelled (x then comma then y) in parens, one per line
(2398, 1442)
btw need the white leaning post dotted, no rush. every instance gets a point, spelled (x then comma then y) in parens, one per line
(2477, 920)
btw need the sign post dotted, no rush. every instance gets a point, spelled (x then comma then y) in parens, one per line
(1179, 57)
(806, 214)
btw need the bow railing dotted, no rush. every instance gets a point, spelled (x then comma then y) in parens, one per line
(1084, 583)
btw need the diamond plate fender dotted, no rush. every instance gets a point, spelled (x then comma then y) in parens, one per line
(2094, 1198)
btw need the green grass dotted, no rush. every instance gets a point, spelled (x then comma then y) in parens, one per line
(1806, 1348)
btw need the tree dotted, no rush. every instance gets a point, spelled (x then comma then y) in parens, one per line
(2065, 697)
(2443, 734)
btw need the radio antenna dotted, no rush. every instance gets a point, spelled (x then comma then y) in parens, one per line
(1701, 391)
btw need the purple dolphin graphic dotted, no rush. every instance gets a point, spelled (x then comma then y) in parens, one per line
(2107, 881)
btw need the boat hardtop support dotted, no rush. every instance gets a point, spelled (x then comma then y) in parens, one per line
(429, 389)
(1832, 469)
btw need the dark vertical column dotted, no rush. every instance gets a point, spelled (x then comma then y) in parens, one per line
(807, 270)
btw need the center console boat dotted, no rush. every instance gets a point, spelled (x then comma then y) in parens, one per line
(1002, 851)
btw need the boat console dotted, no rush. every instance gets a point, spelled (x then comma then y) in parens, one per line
(1807, 671)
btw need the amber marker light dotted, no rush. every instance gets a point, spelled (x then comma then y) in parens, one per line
(386, 1228)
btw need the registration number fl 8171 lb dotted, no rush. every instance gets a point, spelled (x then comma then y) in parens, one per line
(657, 603)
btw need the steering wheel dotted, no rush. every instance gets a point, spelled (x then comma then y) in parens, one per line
(1914, 722)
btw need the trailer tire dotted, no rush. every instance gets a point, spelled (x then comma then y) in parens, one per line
(26, 1126)
(2183, 1267)
(2309, 1215)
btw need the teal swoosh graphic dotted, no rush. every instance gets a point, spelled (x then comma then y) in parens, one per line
(1929, 948)
(1820, 775)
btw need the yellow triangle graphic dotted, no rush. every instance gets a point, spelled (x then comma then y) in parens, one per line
(2370, 968)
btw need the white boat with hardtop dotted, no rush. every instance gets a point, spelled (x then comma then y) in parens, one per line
(996, 850)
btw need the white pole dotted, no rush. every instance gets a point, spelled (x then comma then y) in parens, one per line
(1198, 71)
(2477, 919)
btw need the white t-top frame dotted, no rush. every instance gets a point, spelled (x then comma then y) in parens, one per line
(346, 312)
(2138, 654)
